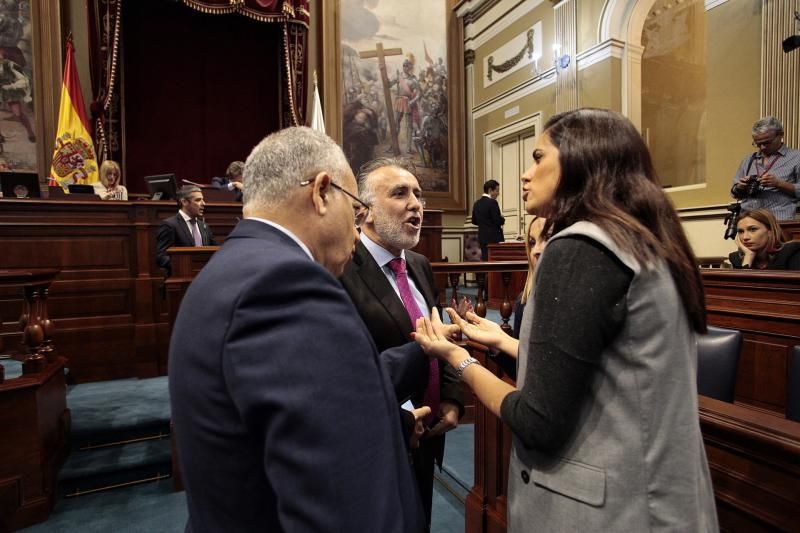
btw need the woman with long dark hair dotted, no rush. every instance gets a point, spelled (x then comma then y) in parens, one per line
(604, 414)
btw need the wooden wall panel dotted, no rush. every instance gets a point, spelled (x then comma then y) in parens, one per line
(108, 302)
(765, 307)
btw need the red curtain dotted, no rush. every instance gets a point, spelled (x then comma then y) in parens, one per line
(199, 87)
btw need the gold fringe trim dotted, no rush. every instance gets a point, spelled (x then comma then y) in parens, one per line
(238, 6)
(213, 10)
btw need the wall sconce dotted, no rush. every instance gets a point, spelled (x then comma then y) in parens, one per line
(560, 61)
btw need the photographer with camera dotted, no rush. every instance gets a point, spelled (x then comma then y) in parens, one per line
(770, 177)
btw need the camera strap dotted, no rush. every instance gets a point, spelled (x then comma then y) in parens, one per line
(750, 163)
(767, 169)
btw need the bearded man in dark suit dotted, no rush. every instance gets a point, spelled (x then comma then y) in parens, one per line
(285, 414)
(391, 286)
(187, 228)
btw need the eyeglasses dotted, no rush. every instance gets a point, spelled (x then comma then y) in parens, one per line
(759, 144)
(360, 212)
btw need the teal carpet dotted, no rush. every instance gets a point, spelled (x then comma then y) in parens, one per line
(102, 412)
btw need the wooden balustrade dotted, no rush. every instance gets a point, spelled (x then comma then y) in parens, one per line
(34, 419)
(504, 269)
(35, 324)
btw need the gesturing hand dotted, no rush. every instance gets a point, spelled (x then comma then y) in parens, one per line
(433, 337)
(478, 329)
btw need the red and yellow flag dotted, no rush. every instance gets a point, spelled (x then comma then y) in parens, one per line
(74, 159)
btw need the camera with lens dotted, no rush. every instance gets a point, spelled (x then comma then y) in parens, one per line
(732, 219)
(753, 186)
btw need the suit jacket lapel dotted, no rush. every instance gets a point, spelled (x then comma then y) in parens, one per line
(417, 271)
(187, 231)
(375, 280)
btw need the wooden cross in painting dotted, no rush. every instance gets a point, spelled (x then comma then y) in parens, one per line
(381, 54)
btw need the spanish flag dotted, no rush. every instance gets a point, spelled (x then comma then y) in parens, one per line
(74, 159)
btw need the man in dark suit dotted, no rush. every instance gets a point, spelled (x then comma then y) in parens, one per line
(187, 228)
(486, 215)
(383, 287)
(232, 180)
(285, 413)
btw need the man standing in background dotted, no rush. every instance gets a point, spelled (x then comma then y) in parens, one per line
(770, 177)
(187, 228)
(486, 215)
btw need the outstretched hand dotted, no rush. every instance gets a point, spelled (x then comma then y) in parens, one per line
(434, 338)
(478, 329)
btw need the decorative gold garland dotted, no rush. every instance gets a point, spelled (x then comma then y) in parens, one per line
(511, 63)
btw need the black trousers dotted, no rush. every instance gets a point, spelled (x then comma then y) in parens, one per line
(424, 461)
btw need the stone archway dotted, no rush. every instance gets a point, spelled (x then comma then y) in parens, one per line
(623, 21)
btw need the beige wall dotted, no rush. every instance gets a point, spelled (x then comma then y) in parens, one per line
(733, 97)
(600, 85)
(541, 12)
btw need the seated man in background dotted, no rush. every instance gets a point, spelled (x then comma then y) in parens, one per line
(390, 297)
(232, 180)
(285, 413)
(769, 178)
(187, 228)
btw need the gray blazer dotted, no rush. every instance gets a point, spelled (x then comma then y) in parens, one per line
(636, 461)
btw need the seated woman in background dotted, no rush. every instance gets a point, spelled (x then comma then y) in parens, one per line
(534, 245)
(109, 187)
(761, 243)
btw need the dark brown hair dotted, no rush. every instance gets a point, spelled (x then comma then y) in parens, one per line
(607, 178)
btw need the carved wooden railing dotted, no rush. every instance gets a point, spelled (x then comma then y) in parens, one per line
(34, 419)
(35, 324)
(454, 271)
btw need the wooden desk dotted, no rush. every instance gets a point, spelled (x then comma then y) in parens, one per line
(108, 303)
(34, 419)
(765, 306)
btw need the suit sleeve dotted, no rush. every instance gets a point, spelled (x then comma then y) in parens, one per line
(306, 394)
(219, 182)
(408, 369)
(211, 241)
(164, 239)
(497, 218)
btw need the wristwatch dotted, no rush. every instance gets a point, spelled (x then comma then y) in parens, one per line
(464, 364)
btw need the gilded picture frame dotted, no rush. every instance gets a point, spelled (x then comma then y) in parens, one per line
(421, 134)
(40, 43)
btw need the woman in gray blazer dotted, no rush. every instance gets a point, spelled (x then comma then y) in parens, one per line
(604, 413)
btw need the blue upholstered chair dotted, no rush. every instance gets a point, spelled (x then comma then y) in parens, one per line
(793, 386)
(717, 362)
